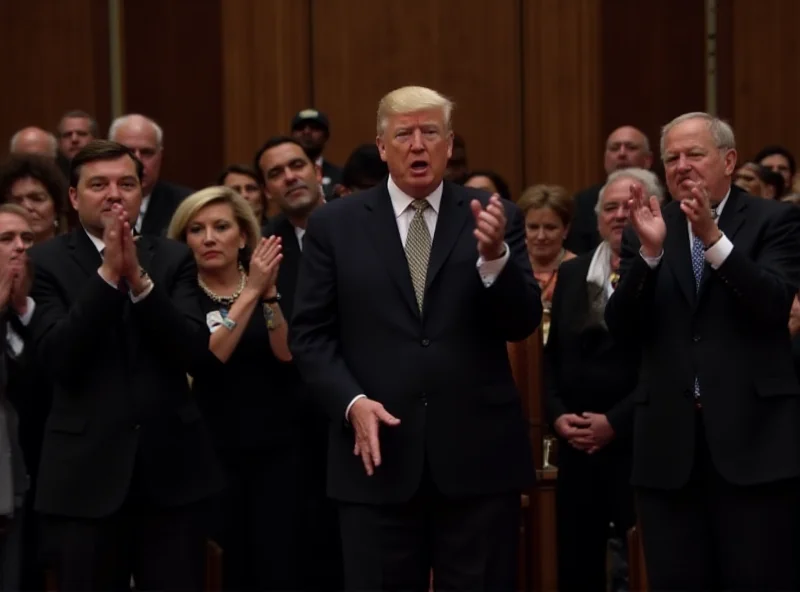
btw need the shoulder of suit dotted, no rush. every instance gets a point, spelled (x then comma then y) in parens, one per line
(588, 195)
(175, 191)
(56, 246)
(576, 263)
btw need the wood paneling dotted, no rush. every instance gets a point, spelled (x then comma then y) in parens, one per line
(173, 73)
(653, 64)
(266, 71)
(561, 92)
(758, 53)
(55, 58)
(469, 51)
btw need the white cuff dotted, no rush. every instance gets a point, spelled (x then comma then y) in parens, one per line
(145, 293)
(717, 253)
(652, 262)
(347, 411)
(110, 283)
(489, 270)
(26, 318)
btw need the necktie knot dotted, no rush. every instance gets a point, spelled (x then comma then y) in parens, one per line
(420, 205)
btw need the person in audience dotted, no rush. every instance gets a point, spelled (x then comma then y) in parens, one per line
(457, 164)
(146, 139)
(362, 170)
(311, 129)
(35, 183)
(548, 213)
(488, 181)
(292, 182)
(590, 379)
(259, 512)
(245, 180)
(17, 308)
(75, 129)
(759, 181)
(407, 296)
(626, 147)
(127, 463)
(780, 160)
(705, 292)
(34, 140)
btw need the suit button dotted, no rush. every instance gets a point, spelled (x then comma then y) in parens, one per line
(426, 342)
(696, 338)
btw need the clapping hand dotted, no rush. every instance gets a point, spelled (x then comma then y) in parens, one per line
(490, 228)
(646, 220)
(264, 265)
(698, 211)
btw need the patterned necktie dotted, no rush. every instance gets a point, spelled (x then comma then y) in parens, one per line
(418, 248)
(698, 263)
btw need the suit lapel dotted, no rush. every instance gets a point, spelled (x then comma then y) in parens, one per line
(678, 254)
(381, 226)
(287, 275)
(83, 251)
(453, 213)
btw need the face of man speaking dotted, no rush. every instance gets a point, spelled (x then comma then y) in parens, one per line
(416, 148)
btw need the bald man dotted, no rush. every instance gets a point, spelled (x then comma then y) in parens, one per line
(34, 140)
(160, 198)
(626, 147)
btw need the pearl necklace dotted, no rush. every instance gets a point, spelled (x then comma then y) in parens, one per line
(226, 301)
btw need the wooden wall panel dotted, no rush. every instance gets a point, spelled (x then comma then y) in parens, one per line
(561, 92)
(173, 73)
(470, 51)
(653, 64)
(266, 71)
(758, 52)
(55, 59)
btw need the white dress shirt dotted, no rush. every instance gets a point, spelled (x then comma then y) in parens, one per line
(404, 213)
(142, 212)
(299, 233)
(715, 255)
(14, 341)
(100, 245)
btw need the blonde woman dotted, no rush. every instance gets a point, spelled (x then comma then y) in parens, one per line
(252, 416)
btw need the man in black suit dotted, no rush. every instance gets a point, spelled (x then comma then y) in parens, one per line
(160, 198)
(407, 296)
(126, 460)
(705, 291)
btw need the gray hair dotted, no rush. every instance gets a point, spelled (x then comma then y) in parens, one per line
(12, 145)
(647, 179)
(124, 119)
(721, 131)
(410, 99)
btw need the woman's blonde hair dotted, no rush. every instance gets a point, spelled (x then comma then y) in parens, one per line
(554, 197)
(190, 207)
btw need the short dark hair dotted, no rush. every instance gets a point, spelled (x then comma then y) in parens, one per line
(364, 168)
(776, 149)
(770, 177)
(39, 168)
(269, 145)
(101, 150)
(496, 179)
(240, 169)
(78, 114)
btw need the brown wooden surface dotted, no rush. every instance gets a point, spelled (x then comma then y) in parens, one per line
(637, 572)
(544, 560)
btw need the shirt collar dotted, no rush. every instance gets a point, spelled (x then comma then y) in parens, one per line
(722, 203)
(401, 201)
(98, 243)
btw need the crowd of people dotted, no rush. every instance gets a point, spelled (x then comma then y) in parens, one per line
(308, 365)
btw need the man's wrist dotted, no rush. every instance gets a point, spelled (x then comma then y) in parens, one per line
(712, 238)
(109, 275)
(652, 252)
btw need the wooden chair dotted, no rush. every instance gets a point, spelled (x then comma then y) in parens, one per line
(637, 572)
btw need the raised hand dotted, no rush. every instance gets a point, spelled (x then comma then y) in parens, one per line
(366, 417)
(264, 265)
(20, 287)
(490, 227)
(645, 217)
(698, 211)
(7, 277)
(113, 265)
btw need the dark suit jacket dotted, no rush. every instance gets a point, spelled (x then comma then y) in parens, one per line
(164, 200)
(585, 368)
(122, 413)
(332, 174)
(583, 236)
(357, 329)
(733, 336)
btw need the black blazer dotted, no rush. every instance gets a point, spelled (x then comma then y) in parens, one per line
(164, 200)
(290, 264)
(585, 368)
(583, 236)
(733, 336)
(356, 329)
(122, 412)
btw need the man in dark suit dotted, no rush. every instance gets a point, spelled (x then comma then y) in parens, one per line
(407, 296)
(705, 291)
(160, 198)
(126, 460)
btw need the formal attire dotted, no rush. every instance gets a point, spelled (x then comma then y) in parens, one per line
(158, 208)
(127, 461)
(331, 176)
(583, 236)
(323, 547)
(716, 455)
(586, 370)
(394, 303)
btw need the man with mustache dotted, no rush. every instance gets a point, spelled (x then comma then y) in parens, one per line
(590, 379)
(705, 292)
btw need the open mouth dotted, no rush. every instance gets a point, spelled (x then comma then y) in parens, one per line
(419, 166)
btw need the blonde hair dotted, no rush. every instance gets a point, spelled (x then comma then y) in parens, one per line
(17, 210)
(410, 99)
(554, 197)
(190, 207)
